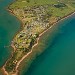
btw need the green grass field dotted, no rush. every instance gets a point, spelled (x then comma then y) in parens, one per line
(24, 3)
(70, 5)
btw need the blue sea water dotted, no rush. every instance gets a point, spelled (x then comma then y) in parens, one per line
(9, 25)
(59, 57)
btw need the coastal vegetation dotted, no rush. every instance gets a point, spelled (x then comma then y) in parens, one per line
(36, 17)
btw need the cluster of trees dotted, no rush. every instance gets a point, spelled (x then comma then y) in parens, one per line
(59, 5)
(28, 1)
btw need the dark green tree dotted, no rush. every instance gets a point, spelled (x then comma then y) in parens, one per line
(28, 1)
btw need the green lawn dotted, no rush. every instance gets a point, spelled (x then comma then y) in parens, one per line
(70, 5)
(23, 3)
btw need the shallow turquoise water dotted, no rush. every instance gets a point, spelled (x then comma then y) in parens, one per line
(9, 25)
(59, 57)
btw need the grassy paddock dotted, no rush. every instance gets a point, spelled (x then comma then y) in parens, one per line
(70, 6)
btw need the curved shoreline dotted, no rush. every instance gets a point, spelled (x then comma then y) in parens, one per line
(39, 38)
(6, 73)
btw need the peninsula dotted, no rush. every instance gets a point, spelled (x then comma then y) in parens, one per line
(37, 16)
